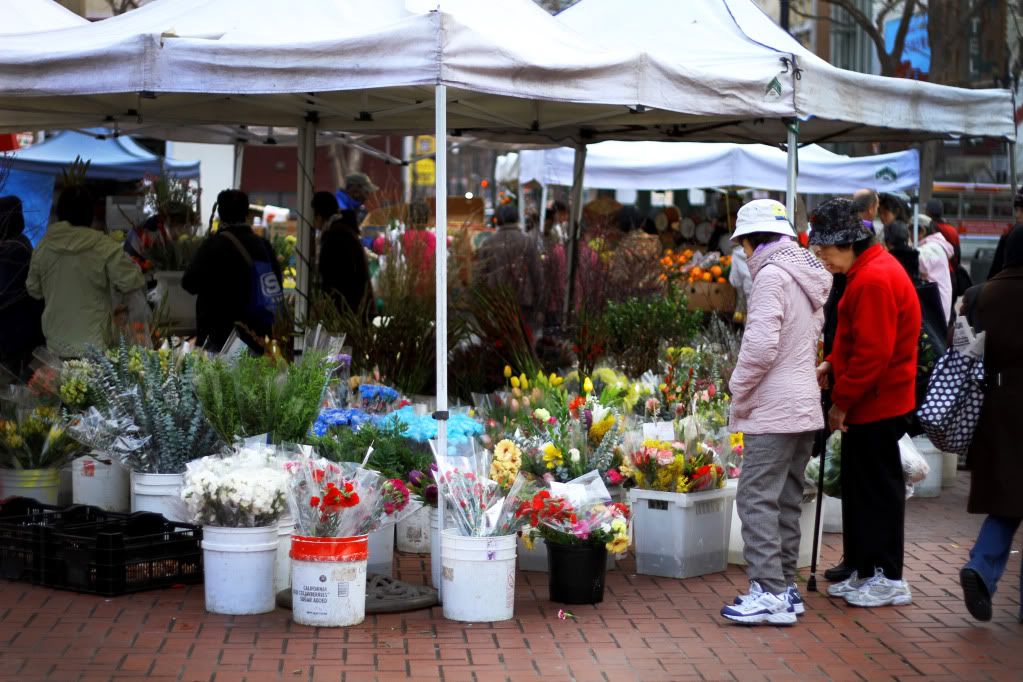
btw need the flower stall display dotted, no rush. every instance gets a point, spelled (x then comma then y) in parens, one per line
(238, 500)
(682, 509)
(702, 277)
(580, 526)
(335, 506)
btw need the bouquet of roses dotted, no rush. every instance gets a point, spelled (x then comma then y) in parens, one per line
(329, 499)
(668, 467)
(577, 513)
(241, 490)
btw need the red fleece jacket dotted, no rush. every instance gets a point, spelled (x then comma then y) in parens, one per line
(874, 356)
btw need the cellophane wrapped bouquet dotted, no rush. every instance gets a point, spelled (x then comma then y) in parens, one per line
(35, 435)
(579, 512)
(342, 499)
(670, 466)
(243, 489)
(475, 501)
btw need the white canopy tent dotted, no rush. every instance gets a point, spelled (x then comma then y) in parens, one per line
(28, 16)
(677, 165)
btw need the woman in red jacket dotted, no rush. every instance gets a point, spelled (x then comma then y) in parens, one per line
(872, 374)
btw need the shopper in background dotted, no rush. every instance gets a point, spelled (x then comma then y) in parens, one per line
(896, 240)
(999, 259)
(353, 197)
(936, 254)
(509, 258)
(776, 405)
(74, 271)
(872, 373)
(343, 265)
(866, 204)
(20, 314)
(996, 468)
(236, 279)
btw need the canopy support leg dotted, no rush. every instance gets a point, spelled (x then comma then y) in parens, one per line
(306, 150)
(575, 227)
(916, 220)
(792, 169)
(543, 210)
(441, 188)
(1013, 181)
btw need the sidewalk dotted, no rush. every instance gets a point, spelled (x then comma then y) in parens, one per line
(647, 629)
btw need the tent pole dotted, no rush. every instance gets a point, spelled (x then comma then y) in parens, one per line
(792, 169)
(239, 160)
(1013, 182)
(575, 227)
(522, 205)
(441, 188)
(543, 210)
(306, 149)
(916, 220)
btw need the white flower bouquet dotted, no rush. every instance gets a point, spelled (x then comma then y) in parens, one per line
(243, 490)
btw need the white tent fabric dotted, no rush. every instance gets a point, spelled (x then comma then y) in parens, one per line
(367, 65)
(831, 102)
(677, 165)
(27, 16)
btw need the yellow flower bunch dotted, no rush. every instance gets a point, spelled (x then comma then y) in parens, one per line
(600, 429)
(506, 464)
(735, 440)
(620, 542)
(10, 439)
(552, 456)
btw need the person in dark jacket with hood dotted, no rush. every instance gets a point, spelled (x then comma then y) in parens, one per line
(20, 314)
(221, 277)
(343, 266)
(996, 468)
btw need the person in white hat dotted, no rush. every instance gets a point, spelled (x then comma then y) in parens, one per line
(776, 405)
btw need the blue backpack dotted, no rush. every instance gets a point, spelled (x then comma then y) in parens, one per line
(265, 292)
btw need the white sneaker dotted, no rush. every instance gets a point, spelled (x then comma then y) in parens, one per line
(759, 607)
(880, 591)
(850, 584)
(792, 595)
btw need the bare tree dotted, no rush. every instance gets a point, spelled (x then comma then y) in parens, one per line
(122, 6)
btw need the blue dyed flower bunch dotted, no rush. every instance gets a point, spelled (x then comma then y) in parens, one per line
(351, 417)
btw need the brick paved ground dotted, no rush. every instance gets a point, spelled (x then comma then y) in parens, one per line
(647, 629)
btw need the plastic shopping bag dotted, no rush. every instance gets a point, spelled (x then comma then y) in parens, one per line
(914, 466)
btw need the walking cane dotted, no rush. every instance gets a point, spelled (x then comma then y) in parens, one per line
(811, 583)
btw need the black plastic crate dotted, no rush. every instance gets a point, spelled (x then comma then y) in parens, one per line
(22, 524)
(118, 556)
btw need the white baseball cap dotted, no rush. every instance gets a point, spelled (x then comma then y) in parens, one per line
(762, 215)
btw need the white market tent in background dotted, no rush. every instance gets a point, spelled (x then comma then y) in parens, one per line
(27, 16)
(680, 165)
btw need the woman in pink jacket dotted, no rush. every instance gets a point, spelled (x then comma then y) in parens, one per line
(776, 404)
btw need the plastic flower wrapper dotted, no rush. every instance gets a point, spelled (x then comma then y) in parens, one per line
(579, 512)
(37, 439)
(329, 499)
(244, 489)
(340, 362)
(734, 456)
(671, 466)
(107, 435)
(832, 468)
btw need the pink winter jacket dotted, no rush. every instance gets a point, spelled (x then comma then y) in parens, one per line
(774, 386)
(935, 253)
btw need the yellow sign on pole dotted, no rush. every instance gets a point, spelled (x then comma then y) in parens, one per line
(425, 169)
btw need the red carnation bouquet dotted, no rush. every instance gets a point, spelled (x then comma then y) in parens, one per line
(329, 499)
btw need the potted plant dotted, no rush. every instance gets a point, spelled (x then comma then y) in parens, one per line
(238, 501)
(33, 448)
(335, 506)
(148, 415)
(579, 531)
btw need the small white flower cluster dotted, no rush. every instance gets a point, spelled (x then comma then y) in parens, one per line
(244, 490)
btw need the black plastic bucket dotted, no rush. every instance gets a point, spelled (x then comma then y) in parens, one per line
(577, 573)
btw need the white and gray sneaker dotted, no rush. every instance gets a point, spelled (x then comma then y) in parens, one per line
(759, 607)
(792, 595)
(850, 584)
(880, 591)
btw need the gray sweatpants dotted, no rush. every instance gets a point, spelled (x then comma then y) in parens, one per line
(768, 499)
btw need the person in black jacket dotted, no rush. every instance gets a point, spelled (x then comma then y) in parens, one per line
(344, 269)
(221, 277)
(20, 315)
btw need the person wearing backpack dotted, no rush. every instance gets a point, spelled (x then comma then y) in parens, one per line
(236, 279)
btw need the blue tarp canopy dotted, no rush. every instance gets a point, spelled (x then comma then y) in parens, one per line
(112, 157)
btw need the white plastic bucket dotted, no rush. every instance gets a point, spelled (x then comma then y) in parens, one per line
(949, 469)
(413, 532)
(831, 515)
(40, 485)
(238, 569)
(100, 483)
(159, 493)
(381, 551)
(931, 485)
(282, 570)
(328, 580)
(479, 577)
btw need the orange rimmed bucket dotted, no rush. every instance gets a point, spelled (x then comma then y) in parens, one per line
(328, 580)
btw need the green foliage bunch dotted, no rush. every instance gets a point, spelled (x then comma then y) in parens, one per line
(637, 327)
(394, 455)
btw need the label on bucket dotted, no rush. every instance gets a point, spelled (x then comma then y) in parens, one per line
(328, 594)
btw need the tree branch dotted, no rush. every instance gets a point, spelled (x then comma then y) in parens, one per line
(900, 36)
(822, 17)
(864, 22)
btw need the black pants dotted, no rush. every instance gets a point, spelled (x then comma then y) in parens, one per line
(874, 498)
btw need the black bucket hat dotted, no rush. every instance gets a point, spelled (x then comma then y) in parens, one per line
(835, 223)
